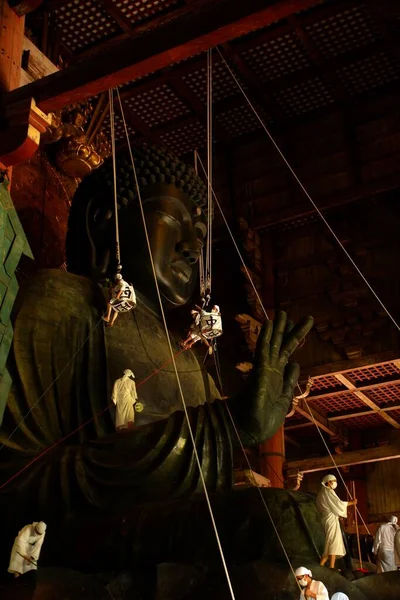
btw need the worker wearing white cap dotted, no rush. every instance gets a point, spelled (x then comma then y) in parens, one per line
(26, 549)
(310, 587)
(124, 396)
(384, 546)
(331, 508)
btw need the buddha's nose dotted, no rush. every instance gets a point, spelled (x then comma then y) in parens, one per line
(188, 252)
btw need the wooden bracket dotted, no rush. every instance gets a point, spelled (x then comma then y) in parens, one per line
(24, 124)
(294, 477)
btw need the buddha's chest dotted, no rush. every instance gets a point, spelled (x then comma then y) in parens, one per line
(138, 342)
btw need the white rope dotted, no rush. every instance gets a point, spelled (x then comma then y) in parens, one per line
(208, 264)
(235, 244)
(219, 374)
(308, 195)
(173, 358)
(112, 128)
(333, 461)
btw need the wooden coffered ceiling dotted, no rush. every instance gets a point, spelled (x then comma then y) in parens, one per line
(294, 59)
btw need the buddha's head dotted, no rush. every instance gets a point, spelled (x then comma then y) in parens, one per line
(174, 198)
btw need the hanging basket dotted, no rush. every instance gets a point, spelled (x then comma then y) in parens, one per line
(126, 301)
(210, 325)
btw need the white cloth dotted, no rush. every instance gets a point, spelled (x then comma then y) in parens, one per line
(27, 543)
(384, 547)
(124, 396)
(331, 508)
(340, 596)
(302, 571)
(318, 588)
(397, 549)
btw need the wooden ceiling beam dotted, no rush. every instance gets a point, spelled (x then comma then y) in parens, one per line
(305, 208)
(313, 415)
(346, 459)
(184, 92)
(339, 91)
(346, 381)
(138, 56)
(116, 13)
(257, 89)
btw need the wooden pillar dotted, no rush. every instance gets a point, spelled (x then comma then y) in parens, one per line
(11, 45)
(272, 452)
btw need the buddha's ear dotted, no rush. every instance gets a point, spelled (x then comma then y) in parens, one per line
(99, 229)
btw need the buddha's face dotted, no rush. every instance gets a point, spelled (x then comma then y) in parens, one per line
(176, 229)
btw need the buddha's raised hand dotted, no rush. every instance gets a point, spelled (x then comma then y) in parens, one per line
(262, 406)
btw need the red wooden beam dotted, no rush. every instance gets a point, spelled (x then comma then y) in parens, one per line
(138, 56)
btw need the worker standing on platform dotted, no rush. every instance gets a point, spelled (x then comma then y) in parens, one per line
(384, 546)
(331, 508)
(26, 549)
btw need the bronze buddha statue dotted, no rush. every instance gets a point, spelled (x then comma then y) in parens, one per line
(143, 481)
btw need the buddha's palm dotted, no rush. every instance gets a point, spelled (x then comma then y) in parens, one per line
(261, 408)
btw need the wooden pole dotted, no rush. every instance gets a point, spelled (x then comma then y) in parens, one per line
(356, 524)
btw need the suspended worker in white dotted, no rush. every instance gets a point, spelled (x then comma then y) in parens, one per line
(310, 587)
(331, 508)
(124, 396)
(122, 299)
(206, 327)
(26, 549)
(384, 546)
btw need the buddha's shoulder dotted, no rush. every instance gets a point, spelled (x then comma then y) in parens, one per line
(61, 290)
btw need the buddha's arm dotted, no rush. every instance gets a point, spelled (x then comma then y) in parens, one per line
(152, 462)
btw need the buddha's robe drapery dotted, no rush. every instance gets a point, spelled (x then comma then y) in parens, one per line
(63, 366)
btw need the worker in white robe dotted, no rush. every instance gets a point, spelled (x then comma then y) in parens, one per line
(340, 596)
(310, 587)
(124, 396)
(397, 549)
(331, 508)
(26, 548)
(384, 546)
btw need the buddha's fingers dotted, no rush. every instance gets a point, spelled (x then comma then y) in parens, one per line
(263, 344)
(277, 335)
(290, 379)
(294, 338)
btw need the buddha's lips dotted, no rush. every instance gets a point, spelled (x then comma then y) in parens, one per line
(182, 268)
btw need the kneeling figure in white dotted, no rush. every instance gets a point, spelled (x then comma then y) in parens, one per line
(124, 396)
(331, 508)
(310, 587)
(26, 549)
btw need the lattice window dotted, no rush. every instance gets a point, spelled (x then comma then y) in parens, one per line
(158, 105)
(138, 10)
(240, 120)
(388, 394)
(187, 138)
(338, 403)
(84, 22)
(345, 31)
(369, 73)
(372, 373)
(326, 383)
(223, 84)
(364, 422)
(303, 97)
(275, 58)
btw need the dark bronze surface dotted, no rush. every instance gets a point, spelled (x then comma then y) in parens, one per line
(130, 501)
